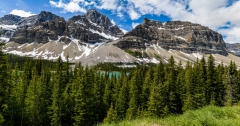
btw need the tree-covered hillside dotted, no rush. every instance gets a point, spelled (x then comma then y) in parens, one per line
(83, 96)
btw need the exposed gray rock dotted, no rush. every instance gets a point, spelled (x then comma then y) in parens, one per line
(34, 20)
(102, 21)
(233, 48)
(10, 19)
(47, 26)
(65, 39)
(183, 36)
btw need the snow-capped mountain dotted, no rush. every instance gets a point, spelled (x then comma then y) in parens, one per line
(92, 38)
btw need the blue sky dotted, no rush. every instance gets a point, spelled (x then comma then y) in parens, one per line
(220, 15)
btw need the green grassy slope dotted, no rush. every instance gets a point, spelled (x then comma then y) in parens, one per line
(207, 116)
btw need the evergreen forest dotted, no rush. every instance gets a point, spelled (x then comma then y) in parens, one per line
(41, 93)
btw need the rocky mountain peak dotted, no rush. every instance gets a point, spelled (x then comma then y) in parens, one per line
(10, 19)
(98, 18)
(46, 16)
(179, 35)
(147, 23)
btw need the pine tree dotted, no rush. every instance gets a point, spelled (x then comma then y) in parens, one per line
(111, 115)
(80, 107)
(58, 87)
(5, 85)
(231, 84)
(170, 84)
(32, 102)
(211, 81)
(68, 105)
(122, 100)
(108, 93)
(220, 85)
(188, 101)
(159, 74)
(180, 86)
(156, 104)
(14, 106)
(148, 83)
(132, 111)
(98, 106)
(201, 73)
(45, 96)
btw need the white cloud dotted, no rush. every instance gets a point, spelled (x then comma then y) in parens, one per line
(108, 4)
(3, 11)
(133, 14)
(21, 13)
(232, 34)
(72, 6)
(119, 11)
(134, 24)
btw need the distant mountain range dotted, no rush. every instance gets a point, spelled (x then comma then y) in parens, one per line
(92, 38)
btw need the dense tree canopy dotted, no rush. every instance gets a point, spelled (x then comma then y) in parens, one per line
(39, 94)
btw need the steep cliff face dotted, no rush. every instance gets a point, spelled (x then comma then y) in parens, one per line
(184, 36)
(91, 27)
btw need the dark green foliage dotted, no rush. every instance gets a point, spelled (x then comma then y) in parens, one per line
(36, 92)
(5, 85)
(111, 115)
(137, 53)
(113, 67)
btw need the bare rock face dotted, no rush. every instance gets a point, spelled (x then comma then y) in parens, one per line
(233, 48)
(102, 21)
(44, 27)
(34, 20)
(95, 17)
(41, 33)
(10, 20)
(80, 28)
(178, 35)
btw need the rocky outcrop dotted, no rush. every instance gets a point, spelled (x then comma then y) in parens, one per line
(102, 21)
(184, 36)
(80, 28)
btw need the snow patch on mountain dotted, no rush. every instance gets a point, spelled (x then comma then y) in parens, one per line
(104, 35)
(124, 31)
(8, 27)
(4, 39)
(181, 38)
